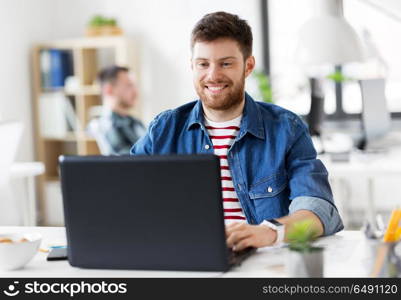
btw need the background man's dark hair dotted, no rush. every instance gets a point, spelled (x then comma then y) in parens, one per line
(223, 25)
(110, 74)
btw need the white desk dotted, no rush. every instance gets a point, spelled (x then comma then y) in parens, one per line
(28, 171)
(345, 256)
(381, 164)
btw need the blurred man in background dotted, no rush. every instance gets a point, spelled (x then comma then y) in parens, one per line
(117, 130)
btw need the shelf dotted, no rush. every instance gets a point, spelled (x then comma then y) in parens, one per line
(87, 42)
(89, 90)
(71, 137)
(52, 178)
(52, 90)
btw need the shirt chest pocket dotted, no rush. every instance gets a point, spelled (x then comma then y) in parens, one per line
(270, 197)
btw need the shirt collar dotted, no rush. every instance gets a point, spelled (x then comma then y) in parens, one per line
(196, 116)
(116, 118)
(251, 118)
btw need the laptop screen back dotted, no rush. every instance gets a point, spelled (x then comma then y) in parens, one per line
(144, 212)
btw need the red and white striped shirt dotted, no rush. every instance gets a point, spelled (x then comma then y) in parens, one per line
(222, 135)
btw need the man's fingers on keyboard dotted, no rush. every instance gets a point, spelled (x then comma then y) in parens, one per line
(234, 227)
(236, 237)
(243, 244)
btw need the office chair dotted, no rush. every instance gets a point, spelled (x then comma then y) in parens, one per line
(10, 135)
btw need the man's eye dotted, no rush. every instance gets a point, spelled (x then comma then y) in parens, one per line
(226, 64)
(202, 65)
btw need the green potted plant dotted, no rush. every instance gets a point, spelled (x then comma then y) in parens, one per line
(264, 86)
(305, 259)
(100, 25)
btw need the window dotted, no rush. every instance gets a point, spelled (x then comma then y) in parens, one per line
(290, 84)
(379, 30)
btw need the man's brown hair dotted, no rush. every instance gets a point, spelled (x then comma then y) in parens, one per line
(220, 24)
(110, 74)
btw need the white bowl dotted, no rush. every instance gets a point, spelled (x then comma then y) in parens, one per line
(17, 254)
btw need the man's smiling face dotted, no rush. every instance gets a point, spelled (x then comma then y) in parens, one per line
(219, 73)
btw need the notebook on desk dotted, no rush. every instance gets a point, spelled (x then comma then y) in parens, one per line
(145, 212)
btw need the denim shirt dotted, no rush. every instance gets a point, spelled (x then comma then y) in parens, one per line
(273, 163)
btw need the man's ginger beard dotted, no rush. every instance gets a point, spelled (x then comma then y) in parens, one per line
(219, 102)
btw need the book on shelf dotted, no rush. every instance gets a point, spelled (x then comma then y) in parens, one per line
(57, 116)
(55, 66)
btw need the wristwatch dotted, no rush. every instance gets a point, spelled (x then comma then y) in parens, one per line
(278, 227)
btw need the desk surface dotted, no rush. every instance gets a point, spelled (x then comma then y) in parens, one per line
(345, 256)
(365, 164)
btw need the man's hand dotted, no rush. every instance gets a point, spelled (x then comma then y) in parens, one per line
(241, 235)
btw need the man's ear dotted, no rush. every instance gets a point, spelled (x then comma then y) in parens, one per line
(107, 89)
(249, 65)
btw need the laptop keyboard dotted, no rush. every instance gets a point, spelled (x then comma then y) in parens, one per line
(235, 258)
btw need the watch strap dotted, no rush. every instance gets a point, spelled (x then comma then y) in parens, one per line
(278, 227)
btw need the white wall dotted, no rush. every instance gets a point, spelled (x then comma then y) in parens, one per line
(21, 23)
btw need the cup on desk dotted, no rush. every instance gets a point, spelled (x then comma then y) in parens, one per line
(388, 258)
(394, 260)
(373, 247)
(16, 250)
(305, 264)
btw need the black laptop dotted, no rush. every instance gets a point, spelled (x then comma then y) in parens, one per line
(145, 213)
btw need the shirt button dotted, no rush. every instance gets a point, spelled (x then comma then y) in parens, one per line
(207, 147)
(270, 189)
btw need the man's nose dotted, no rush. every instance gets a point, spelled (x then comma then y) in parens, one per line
(214, 73)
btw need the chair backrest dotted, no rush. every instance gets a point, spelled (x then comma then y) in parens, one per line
(10, 135)
(94, 129)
